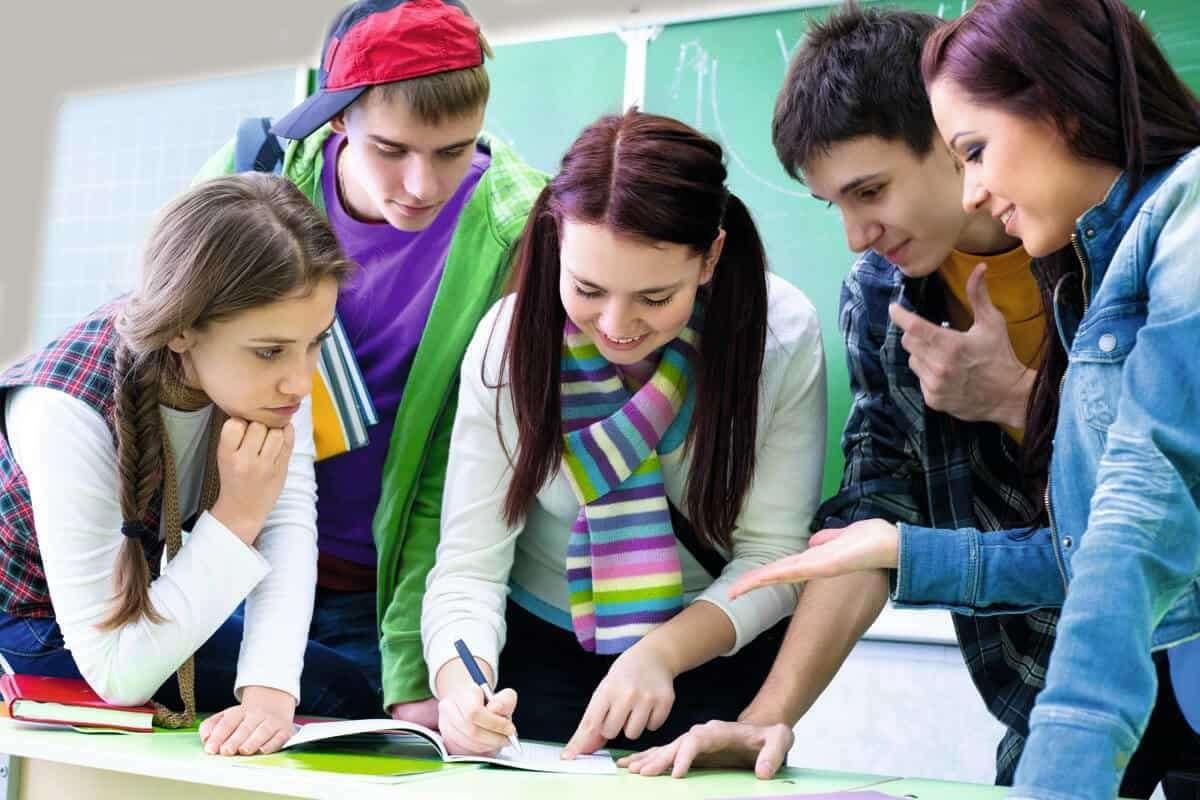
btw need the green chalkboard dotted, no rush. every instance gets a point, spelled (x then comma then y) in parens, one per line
(545, 93)
(722, 77)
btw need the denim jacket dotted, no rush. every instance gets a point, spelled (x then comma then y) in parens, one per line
(1125, 472)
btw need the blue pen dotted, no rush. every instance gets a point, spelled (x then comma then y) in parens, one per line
(476, 674)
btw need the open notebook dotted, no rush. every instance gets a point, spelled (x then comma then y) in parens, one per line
(532, 756)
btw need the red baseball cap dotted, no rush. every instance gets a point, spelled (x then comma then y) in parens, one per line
(381, 41)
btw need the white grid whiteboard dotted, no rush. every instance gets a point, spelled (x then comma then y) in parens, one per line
(118, 157)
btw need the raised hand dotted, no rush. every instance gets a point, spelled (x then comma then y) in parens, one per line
(974, 374)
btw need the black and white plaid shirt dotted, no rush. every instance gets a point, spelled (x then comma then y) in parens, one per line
(908, 463)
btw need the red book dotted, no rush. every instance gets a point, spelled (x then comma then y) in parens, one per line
(69, 701)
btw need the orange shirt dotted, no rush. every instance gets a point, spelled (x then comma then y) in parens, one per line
(1015, 294)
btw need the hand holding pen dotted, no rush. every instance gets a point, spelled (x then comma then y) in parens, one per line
(473, 719)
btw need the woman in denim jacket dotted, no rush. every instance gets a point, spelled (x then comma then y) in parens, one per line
(1089, 153)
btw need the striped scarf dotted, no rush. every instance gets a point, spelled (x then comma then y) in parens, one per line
(623, 572)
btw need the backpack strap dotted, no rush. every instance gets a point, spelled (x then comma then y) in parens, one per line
(256, 148)
(712, 561)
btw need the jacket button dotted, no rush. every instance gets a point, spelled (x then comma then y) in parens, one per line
(1067, 542)
(1108, 342)
(1090, 233)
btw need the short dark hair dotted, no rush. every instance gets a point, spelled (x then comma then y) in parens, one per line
(857, 73)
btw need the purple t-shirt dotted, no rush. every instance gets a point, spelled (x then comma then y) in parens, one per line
(384, 308)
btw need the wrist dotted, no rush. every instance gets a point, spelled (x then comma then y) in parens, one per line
(243, 526)
(762, 716)
(1014, 408)
(779, 701)
(453, 675)
(654, 650)
(266, 696)
(448, 678)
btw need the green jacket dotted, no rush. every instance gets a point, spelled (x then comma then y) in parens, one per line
(408, 519)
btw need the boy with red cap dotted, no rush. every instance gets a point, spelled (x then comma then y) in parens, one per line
(390, 148)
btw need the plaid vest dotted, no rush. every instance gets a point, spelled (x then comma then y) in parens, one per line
(81, 363)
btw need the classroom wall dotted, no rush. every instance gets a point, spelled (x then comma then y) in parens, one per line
(56, 49)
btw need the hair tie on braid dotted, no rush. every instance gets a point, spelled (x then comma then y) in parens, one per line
(135, 529)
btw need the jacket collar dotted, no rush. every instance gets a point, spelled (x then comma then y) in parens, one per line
(1101, 228)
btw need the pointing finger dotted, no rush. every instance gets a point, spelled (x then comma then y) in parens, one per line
(919, 333)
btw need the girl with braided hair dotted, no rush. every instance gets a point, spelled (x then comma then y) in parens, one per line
(156, 471)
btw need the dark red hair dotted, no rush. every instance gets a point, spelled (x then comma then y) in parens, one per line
(1091, 68)
(652, 179)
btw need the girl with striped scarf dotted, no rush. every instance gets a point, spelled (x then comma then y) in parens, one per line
(639, 424)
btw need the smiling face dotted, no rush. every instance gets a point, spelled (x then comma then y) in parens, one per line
(1020, 171)
(904, 206)
(630, 297)
(257, 365)
(398, 168)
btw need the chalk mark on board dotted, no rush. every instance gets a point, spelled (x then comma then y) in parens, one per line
(700, 64)
(693, 54)
(783, 49)
(729, 148)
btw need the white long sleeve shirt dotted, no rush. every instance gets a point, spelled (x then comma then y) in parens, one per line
(479, 553)
(68, 456)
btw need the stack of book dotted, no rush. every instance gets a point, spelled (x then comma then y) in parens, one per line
(69, 702)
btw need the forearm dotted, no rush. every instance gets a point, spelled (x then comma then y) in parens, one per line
(969, 571)
(127, 665)
(1101, 684)
(694, 636)
(279, 610)
(1100, 687)
(831, 617)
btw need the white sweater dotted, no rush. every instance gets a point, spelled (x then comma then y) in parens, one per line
(478, 553)
(69, 458)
